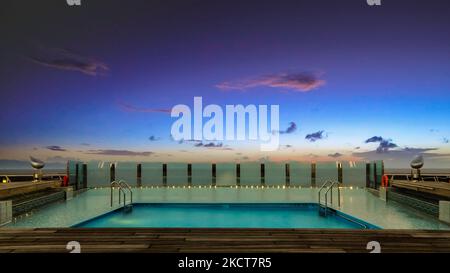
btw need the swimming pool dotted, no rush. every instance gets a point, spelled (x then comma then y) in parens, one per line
(358, 203)
(176, 215)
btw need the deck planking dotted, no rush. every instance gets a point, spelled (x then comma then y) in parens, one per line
(241, 240)
(441, 189)
(15, 188)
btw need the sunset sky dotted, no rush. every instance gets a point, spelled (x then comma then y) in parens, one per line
(353, 81)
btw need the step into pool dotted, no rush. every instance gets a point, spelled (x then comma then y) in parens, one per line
(188, 215)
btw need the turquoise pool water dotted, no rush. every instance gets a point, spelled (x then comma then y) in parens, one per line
(224, 216)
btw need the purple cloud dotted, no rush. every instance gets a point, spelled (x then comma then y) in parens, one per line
(385, 144)
(118, 153)
(299, 82)
(208, 145)
(64, 59)
(292, 128)
(154, 138)
(56, 148)
(335, 155)
(374, 139)
(315, 136)
(130, 108)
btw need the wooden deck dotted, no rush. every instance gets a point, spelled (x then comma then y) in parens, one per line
(178, 240)
(434, 188)
(16, 188)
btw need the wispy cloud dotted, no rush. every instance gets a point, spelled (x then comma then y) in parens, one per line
(291, 129)
(299, 82)
(401, 156)
(445, 140)
(130, 108)
(211, 145)
(384, 145)
(154, 138)
(61, 159)
(335, 155)
(313, 137)
(64, 59)
(374, 139)
(208, 145)
(118, 152)
(181, 141)
(56, 148)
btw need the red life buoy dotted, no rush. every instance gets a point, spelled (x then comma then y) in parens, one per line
(65, 181)
(385, 181)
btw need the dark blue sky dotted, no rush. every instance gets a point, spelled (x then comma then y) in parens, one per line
(96, 81)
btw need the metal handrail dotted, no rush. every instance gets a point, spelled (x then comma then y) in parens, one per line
(120, 190)
(330, 187)
(321, 188)
(122, 182)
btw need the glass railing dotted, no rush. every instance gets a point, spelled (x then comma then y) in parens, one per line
(293, 173)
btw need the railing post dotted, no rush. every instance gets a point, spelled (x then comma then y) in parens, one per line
(213, 170)
(263, 174)
(139, 175)
(368, 175)
(112, 172)
(288, 175)
(238, 174)
(164, 174)
(189, 173)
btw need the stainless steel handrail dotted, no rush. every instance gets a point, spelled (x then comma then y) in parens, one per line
(321, 188)
(120, 191)
(330, 187)
(122, 182)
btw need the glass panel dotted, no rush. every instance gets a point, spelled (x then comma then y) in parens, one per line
(371, 175)
(127, 171)
(354, 174)
(378, 172)
(98, 174)
(275, 174)
(202, 174)
(80, 176)
(225, 174)
(177, 174)
(250, 174)
(72, 172)
(152, 174)
(326, 171)
(300, 173)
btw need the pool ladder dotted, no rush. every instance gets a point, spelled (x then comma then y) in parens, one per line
(328, 186)
(123, 188)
